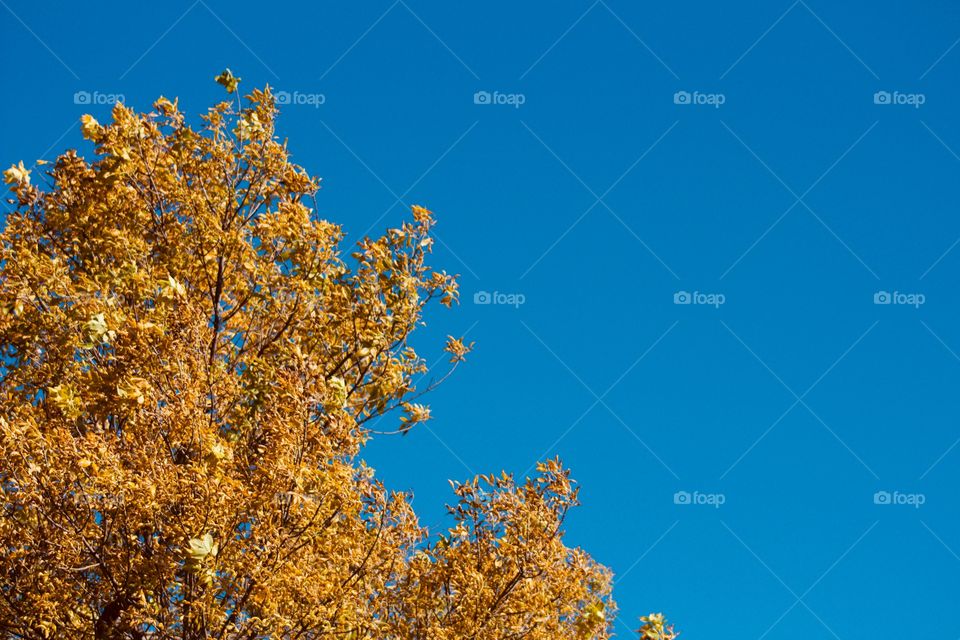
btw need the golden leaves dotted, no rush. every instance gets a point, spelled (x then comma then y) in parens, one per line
(90, 128)
(249, 126)
(64, 397)
(218, 451)
(133, 390)
(336, 394)
(457, 350)
(97, 331)
(413, 414)
(195, 344)
(165, 107)
(199, 548)
(201, 552)
(421, 214)
(655, 627)
(227, 80)
(505, 561)
(595, 612)
(592, 620)
(172, 289)
(17, 175)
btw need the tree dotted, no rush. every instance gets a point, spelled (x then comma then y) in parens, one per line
(190, 366)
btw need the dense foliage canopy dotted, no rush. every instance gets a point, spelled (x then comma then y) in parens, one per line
(190, 367)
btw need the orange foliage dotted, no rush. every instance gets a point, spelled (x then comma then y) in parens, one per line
(189, 366)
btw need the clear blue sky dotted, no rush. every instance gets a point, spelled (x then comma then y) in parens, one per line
(777, 182)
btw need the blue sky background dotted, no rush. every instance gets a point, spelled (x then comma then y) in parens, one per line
(598, 199)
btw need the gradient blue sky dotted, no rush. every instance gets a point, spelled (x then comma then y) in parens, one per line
(597, 200)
